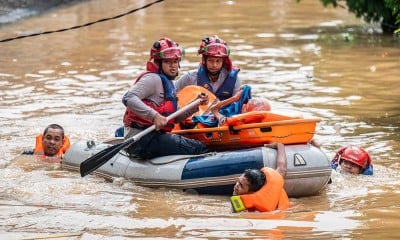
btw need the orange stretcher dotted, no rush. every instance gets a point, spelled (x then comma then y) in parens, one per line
(253, 129)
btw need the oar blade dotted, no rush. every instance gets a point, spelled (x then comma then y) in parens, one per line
(100, 158)
(188, 93)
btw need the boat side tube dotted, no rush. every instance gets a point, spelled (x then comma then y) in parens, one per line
(308, 169)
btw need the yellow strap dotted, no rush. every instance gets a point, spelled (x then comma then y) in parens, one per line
(237, 204)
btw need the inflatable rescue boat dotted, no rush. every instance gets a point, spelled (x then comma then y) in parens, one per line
(308, 168)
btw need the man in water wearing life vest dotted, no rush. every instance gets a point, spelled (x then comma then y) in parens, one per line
(354, 160)
(52, 144)
(262, 189)
(151, 99)
(216, 72)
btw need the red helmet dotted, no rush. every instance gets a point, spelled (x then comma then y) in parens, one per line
(214, 46)
(355, 155)
(165, 48)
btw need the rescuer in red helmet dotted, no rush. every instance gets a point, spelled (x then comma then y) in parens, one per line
(216, 72)
(353, 160)
(151, 99)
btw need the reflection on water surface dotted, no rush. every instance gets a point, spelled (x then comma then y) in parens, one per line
(305, 59)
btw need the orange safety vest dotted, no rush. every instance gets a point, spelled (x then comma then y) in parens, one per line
(39, 150)
(270, 197)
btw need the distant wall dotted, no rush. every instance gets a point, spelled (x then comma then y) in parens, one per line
(14, 10)
(11, 4)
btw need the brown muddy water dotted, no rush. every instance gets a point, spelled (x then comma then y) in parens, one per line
(304, 58)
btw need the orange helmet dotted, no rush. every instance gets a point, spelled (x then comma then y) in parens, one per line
(165, 48)
(214, 46)
(355, 155)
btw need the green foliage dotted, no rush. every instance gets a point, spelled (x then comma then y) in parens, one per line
(395, 6)
(387, 12)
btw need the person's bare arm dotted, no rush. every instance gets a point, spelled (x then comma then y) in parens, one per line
(281, 161)
(314, 143)
(190, 112)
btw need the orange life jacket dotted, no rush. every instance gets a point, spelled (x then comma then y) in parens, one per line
(270, 197)
(39, 150)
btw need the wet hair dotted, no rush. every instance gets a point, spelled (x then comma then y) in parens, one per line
(54, 126)
(256, 179)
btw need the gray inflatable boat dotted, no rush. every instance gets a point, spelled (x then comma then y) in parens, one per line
(308, 168)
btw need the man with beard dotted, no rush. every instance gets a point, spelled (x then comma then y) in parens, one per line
(216, 72)
(262, 189)
(151, 99)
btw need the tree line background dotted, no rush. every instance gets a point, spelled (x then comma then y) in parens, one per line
(385, 12)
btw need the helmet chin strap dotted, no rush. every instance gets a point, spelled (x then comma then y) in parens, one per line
(214, 73)
(213, 76)
(169, 76)
(172, 77)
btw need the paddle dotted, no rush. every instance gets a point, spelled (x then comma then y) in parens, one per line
(100, 158)
(188, 93)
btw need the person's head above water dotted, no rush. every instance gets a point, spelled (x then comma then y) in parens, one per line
(353, 159)
(53, 139)
(249, 182)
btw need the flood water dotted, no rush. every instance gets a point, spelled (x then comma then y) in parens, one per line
(304, 58)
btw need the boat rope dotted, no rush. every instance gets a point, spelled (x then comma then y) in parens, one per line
(82, 25)
(173, 159)
(183, 158)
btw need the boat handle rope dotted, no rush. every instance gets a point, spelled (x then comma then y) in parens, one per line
(183, 158)
(124, 153)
